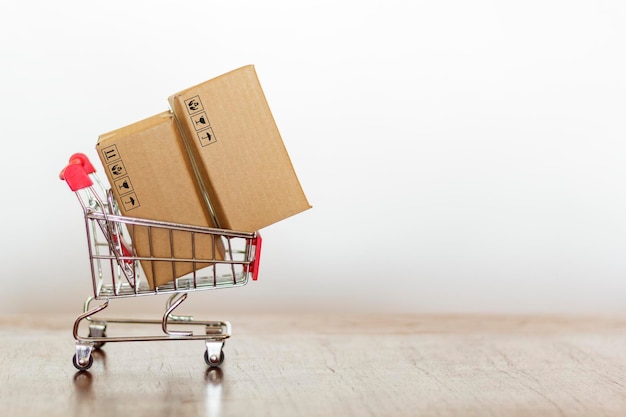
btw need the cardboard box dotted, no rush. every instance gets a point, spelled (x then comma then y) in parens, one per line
(242, 164)
(152, 178)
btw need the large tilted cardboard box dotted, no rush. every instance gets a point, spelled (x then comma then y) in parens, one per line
(151, 177)
(241, 160)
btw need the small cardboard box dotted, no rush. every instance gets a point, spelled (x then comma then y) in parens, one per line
(241, 160)
(151, 178)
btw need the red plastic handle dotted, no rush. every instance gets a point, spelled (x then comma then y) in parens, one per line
(253, 268)
(75, 174)
(84, 161)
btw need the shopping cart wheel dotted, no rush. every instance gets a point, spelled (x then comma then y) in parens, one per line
(97, 331)
(213, 360)
(82, 367)
(99, 345)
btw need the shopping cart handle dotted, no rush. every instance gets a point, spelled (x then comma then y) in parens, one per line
(82, 159)
(254, 267)
(75, 176)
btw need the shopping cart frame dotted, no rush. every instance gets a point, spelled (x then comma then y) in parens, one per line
(117, 272)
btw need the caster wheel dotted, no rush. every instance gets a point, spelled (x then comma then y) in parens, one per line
(97, 332)
(82, 367)
(213, 361)
(98, 345)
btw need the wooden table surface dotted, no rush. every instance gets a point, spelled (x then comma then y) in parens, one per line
(327, 365)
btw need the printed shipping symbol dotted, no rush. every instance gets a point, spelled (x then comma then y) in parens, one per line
(124, 185)
(200, 121)
(117, 169)
(194, 105)
(130, 201)
(206, 137)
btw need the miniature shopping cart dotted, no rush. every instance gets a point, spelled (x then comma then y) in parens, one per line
(118, 270)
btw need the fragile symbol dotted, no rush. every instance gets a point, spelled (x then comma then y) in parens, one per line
(200, 121)
(123, 185)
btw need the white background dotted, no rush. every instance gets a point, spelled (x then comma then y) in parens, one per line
(460, 156)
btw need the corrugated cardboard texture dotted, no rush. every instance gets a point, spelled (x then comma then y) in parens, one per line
(151, 178)
(241, 158)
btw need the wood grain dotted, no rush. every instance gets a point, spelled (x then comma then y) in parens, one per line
(327, 365)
